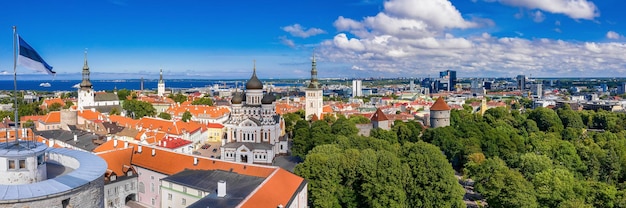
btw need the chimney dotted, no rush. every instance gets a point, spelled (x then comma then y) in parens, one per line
(153, 152)
(139, 149)
(221, 188)
(115, 142)
(195, 161)
(75, 138)
(125, 144)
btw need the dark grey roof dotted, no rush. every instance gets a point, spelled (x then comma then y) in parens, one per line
(256, 121)
(249, 145)
(237, 98)
(238, 186)
(254, 83)
(84, 140)
(112, 128)
(105, 108)
(106, 97)
(268, 98)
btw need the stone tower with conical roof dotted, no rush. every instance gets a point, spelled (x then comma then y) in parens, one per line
(314, 95)
(439, 114)
(161, 85)
(85, 92)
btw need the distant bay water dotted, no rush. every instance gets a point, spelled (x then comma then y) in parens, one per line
(133, 84)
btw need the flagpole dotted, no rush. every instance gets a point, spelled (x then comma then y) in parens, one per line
(15, 81)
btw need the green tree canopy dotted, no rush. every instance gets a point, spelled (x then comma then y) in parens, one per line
(165, 116)
(186, 116)
(138, 109)
(203, 101)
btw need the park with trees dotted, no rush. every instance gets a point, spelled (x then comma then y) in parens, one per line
(516, 157)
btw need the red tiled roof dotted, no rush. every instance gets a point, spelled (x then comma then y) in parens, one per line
(214, 126)
(173, 143)
(379, 116)
(440, 105)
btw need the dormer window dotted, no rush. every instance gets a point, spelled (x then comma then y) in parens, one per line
(113, 177)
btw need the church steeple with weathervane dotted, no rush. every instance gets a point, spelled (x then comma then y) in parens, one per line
(161, 85)
(85, 92)
(86, 83)
(314, 95)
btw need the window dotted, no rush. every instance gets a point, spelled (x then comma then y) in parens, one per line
(126, 187)
(40, 159)
(11, 164)
(169, 197)
(199, 193)
(152, 201)
(184, 202)
(141, 188)
(184, 189)
(132, 185)
(22, 164)
(152, 187)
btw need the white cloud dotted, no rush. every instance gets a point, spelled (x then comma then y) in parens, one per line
(393, 43)
(286, 41)
(299, 31)
(575, 9)
(613, 35)
(538, 16)
(437, 13)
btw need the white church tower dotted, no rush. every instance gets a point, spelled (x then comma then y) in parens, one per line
(314, 96)
(161, 85)
(85, 92)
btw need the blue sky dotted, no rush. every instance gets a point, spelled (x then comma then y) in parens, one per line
(351, 38)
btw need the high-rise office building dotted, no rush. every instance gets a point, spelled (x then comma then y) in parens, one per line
(521, 82)
(447, 80)
(357, 88)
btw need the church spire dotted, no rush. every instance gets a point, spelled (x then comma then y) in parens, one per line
(161, 76)
(85, 84)
(314, 83)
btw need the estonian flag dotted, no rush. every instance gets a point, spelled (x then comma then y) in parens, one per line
(29, 58)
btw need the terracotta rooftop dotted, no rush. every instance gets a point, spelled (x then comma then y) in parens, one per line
(52, 117)
(379, 116)
(440, 105)
(118, 162)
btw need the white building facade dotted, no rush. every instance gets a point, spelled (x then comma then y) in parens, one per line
(254, 132)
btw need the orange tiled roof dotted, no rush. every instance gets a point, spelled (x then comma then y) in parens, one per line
(156, 100)
(117, 161)
(90, 115)
(170, 127)
(283, 108)
(123, 121)
(199, 110)
(266, 195)
(47, 102)
(52, 117)
(440, 105)
(109, 145)
(32, 118)
(327, 109)
(169, 163)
